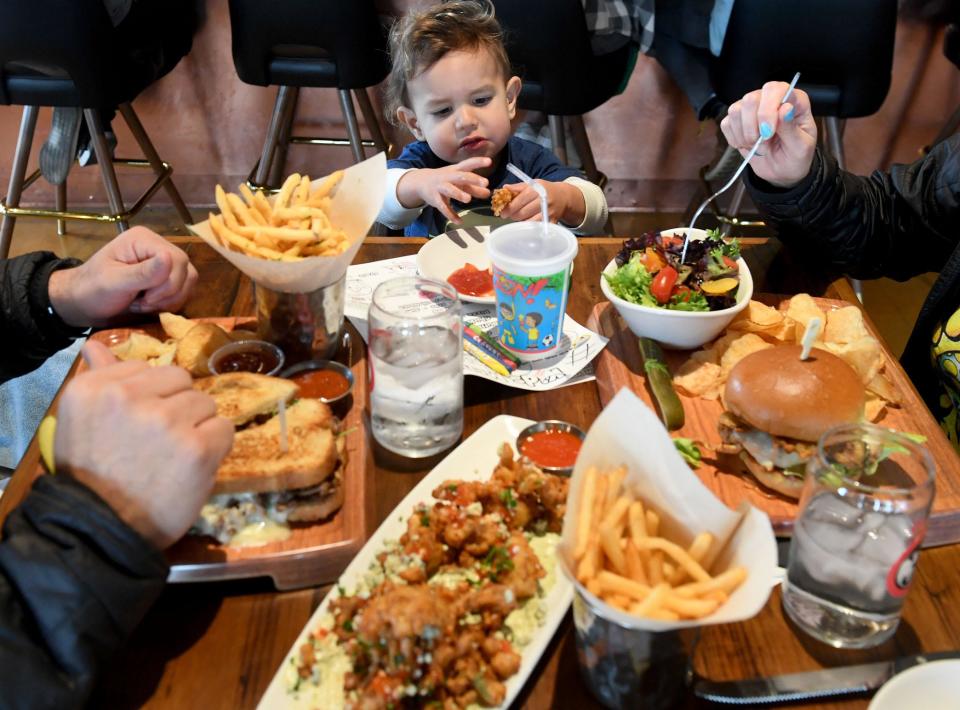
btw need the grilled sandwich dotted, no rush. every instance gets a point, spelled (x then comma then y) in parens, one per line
(260, 488)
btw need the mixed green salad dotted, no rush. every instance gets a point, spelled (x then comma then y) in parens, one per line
(650, 273)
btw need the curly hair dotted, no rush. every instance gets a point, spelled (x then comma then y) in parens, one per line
(419, 39)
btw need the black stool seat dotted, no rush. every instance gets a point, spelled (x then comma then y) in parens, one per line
(67, 53)
(843, 50)
(330, 44)
(317, 43)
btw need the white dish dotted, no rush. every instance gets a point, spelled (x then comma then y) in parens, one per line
(452, 250)
(680, 330)
(474, 459)
(931, 686)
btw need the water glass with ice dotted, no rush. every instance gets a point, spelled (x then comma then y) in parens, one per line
(857, 537)
(416, 368)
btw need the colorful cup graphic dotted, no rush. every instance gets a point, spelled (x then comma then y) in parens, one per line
(531, 272)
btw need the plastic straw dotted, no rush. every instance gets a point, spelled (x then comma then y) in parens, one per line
(538, 188)
(736, 175)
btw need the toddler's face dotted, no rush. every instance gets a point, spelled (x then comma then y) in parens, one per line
(462, 106)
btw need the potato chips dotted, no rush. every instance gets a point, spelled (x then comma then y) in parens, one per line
(189, 345)
(760, 326)
(294, 226)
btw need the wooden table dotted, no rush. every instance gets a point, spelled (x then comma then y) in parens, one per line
(218, 645)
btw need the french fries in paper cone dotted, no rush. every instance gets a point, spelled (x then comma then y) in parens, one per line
(353, 207)
(628, 443)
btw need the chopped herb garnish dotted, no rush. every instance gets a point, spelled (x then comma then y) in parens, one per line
(348, 626)
(498, 560)
(506, 496)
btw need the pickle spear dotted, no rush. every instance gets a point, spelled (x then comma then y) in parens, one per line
(661, 383)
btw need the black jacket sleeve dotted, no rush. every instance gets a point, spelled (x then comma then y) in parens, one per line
(74, 582)
(897, 224)
(29, 329)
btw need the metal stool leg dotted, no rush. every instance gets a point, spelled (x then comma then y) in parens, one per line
(370, 118)
(582, 141)
(150, 153)
(61, 202)
(353, 128)
(278, 164)
(736, 201)
(273, 133)
(19, 170)
(558, 137)
(105, 160)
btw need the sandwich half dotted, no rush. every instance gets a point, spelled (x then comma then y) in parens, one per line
(261, 488)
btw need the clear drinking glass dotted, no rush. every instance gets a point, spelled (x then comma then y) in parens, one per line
(416, 366)
(855, 543)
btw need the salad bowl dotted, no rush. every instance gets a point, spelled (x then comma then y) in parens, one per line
(679, 330)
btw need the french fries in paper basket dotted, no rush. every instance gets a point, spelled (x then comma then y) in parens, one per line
(304, 237)
(647, 542)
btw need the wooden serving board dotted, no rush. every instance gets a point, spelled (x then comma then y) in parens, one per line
(315, 553)
(619, 365)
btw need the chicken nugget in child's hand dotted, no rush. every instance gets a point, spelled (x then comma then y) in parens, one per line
(500, 199)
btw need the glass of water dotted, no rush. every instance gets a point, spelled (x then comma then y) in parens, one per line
(857, 537)
(416, 368)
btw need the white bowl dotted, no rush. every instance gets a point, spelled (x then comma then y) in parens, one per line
(681, 330)
(931, 686)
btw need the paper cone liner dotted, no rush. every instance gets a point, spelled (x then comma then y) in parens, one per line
(628, 433)
(354, 206)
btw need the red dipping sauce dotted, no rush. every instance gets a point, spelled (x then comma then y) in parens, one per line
(471, 281)
(553, 448)
(321, 384)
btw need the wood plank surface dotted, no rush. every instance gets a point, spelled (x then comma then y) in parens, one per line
(217, 645)
(620, 365)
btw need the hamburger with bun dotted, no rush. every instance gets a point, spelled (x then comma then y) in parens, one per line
(778, 406)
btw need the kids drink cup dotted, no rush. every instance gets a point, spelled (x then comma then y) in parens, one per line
(531, 272)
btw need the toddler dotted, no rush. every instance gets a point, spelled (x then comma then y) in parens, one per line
(451, 86)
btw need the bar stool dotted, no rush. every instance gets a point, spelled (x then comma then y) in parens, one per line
(548, 43)
(309, 43)
(74, 61)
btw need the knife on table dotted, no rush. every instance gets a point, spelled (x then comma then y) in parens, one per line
(843, 680)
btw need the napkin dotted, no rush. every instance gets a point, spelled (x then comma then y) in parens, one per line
(627, 432)
(354, 206)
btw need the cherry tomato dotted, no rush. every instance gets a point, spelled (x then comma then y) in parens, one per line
(663, 283)
(670, 241)
(683, 293)
(730, 263)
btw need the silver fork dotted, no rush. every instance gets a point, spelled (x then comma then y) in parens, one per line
(736, 175)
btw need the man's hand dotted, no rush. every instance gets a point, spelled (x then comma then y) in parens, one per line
(137, 272)
(143, 440)
(565, 203)
(437, 186)
(784, 159)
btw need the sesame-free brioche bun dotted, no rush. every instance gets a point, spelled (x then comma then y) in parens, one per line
(777, 392)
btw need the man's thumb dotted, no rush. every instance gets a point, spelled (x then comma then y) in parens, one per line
(147, 274)
(97, 354)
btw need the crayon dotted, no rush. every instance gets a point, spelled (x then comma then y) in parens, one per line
(480, 355)
(508, 364)
(493, 343)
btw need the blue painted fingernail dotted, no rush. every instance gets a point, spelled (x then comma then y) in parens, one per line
(765, 131)
(789, 115)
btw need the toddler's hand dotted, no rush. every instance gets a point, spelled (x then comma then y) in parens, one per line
(564, 203)
(437, 186)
